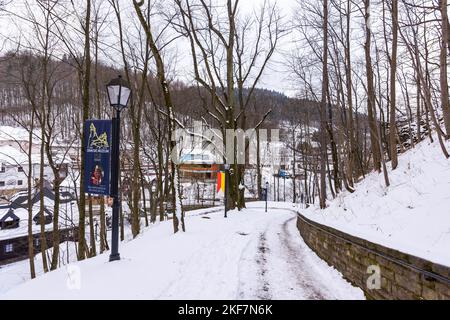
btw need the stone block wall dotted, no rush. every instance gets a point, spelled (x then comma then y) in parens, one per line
(401, 276)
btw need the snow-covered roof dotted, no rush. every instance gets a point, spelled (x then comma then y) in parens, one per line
(8, 133)
(19, 134)
(8, 216)
(67, 215)
(198, 156)
(14, 156)
(11, 155)
(72, 181)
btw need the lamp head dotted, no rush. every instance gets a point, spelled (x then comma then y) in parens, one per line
(119, 93)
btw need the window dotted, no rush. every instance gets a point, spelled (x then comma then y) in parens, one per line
(2, 168)
(19, 182)
(20, 169)
(9, 248)
(2, 183)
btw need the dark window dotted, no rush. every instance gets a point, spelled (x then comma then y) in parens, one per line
(9, 248)
(2, 169)
(2, 183)
(19, 182)
(20, 169)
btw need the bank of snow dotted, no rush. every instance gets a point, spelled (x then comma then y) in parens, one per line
(412, 215)
(249, 255)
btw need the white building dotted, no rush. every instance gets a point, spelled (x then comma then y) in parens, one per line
(16, 137)
(14, 169)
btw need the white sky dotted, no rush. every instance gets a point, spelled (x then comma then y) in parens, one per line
(274, 77)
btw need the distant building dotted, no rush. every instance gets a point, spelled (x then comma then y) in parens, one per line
(14, 170)
(14, 223)
(198, 164)
(15, 137)
(15, 249)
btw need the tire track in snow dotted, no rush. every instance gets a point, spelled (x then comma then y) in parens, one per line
(282, 267)
(261, 260)
(299, 267)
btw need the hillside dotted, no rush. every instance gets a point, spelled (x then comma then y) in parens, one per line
(412, 215)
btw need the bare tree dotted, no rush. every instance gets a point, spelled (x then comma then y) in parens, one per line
(166, 91)
(392, 122)
(228, 65)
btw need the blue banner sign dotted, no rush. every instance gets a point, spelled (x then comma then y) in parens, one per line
(97, 161)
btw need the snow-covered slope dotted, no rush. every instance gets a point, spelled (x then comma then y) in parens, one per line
(412, 215)
(250, 255)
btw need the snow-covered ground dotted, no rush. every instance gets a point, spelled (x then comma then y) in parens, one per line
(412, 215)
(14, 274)
(250, 255)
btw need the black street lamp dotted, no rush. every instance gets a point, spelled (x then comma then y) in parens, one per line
(119, 94)
(225, 197)
(152, 200)
(266, 192)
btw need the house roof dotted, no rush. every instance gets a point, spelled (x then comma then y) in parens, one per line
(68, 216)
(47, 212)
(13, 155)
(8, 133)
(198, 156)
(20, 134)
(20, 199)
(9, 216)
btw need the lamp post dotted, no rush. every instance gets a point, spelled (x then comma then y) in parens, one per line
(152, 201)
(119, 94)
(266, 192)
(225, 196)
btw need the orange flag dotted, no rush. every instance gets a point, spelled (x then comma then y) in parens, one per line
(221, 181)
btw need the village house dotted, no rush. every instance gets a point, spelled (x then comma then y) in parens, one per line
(14, 223)
(14, 144)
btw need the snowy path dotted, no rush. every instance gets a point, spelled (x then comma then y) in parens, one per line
(250, 255)
(287, 269)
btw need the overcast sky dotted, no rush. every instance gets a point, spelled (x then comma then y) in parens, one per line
(276, 75)
(274, 78)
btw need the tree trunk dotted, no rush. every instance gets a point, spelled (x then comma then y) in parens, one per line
(371, 92)
(30, 198)
(443, 68)
(323, 108)
(348, 74)
(392, 125)
(82, 247)
(161, 75)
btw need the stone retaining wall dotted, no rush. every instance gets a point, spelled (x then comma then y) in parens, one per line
(402, 276)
